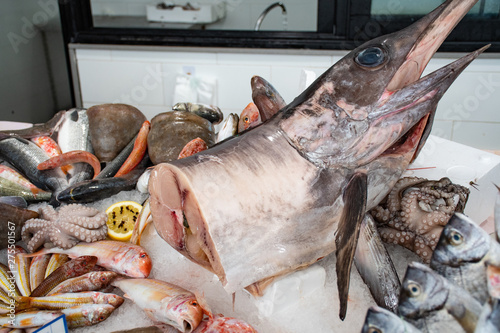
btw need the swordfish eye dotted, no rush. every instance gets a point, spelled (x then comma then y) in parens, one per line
(371, 57)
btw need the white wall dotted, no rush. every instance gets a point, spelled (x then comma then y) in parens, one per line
(469, 112)
(35, 81)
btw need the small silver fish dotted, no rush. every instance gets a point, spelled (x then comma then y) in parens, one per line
(229, 127)
(424, 292)
(380, 320)
(74, 135)
(211, 113)
(461, 255)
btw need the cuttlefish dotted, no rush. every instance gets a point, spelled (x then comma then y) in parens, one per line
(297, 188)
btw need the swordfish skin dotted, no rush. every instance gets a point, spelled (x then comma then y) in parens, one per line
(273, 200)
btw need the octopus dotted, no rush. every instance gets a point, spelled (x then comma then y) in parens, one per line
(415, 212)
(64, 227)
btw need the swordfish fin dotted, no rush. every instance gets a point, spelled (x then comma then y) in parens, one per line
(346, 240)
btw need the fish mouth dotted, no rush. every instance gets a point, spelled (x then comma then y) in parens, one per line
(432, 30)
(405, 111)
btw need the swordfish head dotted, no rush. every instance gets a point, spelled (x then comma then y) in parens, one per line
(374, 95)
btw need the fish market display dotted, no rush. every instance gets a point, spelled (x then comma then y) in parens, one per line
(171, 131)
(123, 258)
(463, 252)
(416, 210)
(164, 302)
(221, 324)
(266, 98)
(211, 113)
(112, 126)
(342, 143)
(380, 320)
(34, 310)
(64, 227)
(425, 292)
(12, 183)
(22, 265)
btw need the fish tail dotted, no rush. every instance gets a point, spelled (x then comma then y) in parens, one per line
(22, 302)
(36, 254)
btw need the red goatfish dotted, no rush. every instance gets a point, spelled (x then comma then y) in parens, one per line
(123, 258)
(249, 117)
(220, 324)
(164, 302)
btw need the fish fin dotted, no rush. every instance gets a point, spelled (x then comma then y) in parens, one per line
(203, 304)
(376, 267)
(346, 239)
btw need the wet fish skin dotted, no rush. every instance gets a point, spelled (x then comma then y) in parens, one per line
(87, 282)
(164, 302)
(112, 167)
(76, 267)
(101, 188)
(10, 188)
(123, 258)
(67, 300)
(211, 113)
(111, 127)
(25, 156)
(229, 127)
(267, 99)
(87, 314)
(221, 324)
(138, 152)
(56, 260)
(337, 128)
(38, 266)
(38, 129)
(74, 134)
(14, 176)
(424, 291)
(12, 220)
(22, 275)
(462, 253)
(7, 281)
(381, 320)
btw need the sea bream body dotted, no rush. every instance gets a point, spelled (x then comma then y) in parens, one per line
(296, 188)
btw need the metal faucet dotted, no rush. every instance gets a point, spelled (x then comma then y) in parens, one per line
(267, 10)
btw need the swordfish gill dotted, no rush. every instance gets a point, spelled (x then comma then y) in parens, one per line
(297, 188)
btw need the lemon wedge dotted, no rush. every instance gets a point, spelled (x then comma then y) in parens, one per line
(121, 219)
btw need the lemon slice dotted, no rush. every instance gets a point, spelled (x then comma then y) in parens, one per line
(121, 219)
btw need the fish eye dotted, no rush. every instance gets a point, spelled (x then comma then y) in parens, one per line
(143, 255)
(101, 318)
(374, 330)
(455, 238)
(194, 303)
(371, 57)
(414, 289)
(246, 119)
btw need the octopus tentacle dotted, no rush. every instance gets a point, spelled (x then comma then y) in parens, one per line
(415, 212)
(64, 227)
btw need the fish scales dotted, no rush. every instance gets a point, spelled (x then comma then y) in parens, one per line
(25, 156)
(68, 300)
(56, 260)
(87, 282)
(22, 265)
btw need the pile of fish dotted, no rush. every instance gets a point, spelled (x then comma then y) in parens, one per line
(458, 292)
(72, 283)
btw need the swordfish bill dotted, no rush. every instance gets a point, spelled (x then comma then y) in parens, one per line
(274, 199)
